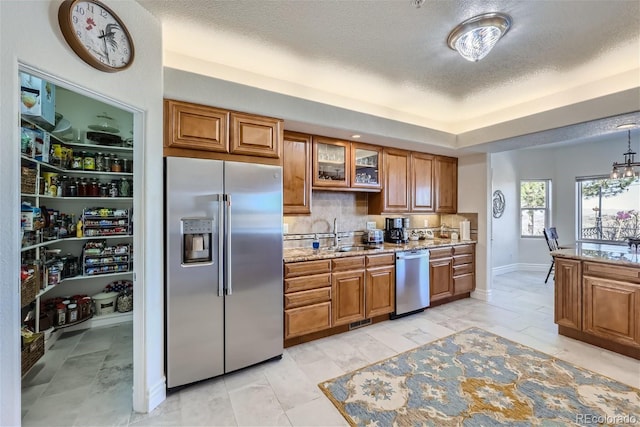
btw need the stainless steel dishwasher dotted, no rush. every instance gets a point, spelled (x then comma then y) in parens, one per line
(412, 282)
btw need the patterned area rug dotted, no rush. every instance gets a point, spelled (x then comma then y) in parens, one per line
(476, 378)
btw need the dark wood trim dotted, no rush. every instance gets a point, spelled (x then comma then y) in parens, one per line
(348, 189)
(200, 154)
(328, 332)
(599, 342)
(449, 299)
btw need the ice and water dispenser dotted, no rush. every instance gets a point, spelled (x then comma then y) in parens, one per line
(196, 240)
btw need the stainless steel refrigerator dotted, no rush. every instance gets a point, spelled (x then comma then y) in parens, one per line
(223, 261)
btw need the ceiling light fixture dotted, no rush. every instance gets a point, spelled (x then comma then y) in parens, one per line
(626, 169)
(475, 37)
(356, 136)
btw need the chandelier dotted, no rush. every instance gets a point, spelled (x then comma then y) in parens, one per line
(626, 169)
(475, 37)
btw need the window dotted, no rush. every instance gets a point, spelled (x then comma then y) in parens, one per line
(534, 207)
(608, 209)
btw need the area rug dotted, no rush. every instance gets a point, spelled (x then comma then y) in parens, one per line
(476, 378)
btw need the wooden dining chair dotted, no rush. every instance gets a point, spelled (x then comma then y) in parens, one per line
(551, 236)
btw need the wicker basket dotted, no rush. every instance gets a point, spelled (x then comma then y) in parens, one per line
(28, 180)
(33, 350)
(28, 289)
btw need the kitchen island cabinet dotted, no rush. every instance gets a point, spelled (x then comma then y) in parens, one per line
(597, 296)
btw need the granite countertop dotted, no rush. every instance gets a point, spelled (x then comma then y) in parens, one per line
(309, 254)
(611, 254)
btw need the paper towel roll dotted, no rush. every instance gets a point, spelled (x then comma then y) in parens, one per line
(465, 230)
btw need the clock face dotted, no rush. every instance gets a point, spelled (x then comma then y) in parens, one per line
(96, 34)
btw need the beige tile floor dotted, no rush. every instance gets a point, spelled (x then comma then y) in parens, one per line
(87, 381)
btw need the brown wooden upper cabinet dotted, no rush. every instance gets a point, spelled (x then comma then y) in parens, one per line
(331, 163)
(255, 135)
(346, 166)
(416, 182)
(422, 187)
(395, 197)
(195, 127)
(209, 129)
(445, 180)
(365, 166)
(296, 173)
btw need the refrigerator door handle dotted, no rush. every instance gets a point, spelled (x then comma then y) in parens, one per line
(227, 246)
(221, 228)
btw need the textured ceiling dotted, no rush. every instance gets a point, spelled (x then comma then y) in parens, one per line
(388, 58)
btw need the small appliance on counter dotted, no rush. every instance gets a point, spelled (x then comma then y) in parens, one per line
(396, 230)
(373, 238)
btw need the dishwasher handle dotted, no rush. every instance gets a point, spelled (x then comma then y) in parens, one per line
(412, 255)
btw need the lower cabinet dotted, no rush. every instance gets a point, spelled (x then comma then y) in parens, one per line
(599, 303)
(441, 273)
(348, 286)
(612, 310)
(307, 297)
(380, 291)
(568, 293)
(464, 268)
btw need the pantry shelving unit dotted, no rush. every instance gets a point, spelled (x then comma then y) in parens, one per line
(77, 206)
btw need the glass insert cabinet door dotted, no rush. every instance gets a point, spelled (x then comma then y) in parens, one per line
(331, 162)
(366, 171)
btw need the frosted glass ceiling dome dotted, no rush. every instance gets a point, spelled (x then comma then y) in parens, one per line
(475, 37)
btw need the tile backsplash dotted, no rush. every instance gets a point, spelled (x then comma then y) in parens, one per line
(351, 212)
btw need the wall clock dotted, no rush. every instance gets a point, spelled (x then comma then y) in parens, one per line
(96, 34)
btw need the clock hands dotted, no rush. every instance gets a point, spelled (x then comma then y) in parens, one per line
(108, 34)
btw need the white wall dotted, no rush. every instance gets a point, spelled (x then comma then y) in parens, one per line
(139, 89)
(474, 187)
(562, 165)
(505, 230)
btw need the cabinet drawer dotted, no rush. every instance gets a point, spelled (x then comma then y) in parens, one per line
(382, 259)
(440, 252)
(462, 269)
(463, 249)
(347, 263)
(307, 282)
(304, 320)
(292, 269)
(462, 259)
(611, 271)
(463, 284)
(313, 296)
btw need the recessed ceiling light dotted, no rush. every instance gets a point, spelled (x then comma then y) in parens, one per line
(356, 136)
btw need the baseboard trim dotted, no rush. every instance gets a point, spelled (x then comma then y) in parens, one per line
(511, 268)
(481, 294)
(504, 269)
(156, 394)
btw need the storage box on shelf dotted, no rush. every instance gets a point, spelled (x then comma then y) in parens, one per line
(32, 351)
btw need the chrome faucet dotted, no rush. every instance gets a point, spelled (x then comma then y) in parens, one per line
(335, 232)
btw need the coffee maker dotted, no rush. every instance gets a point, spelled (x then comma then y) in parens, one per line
(396, 230)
